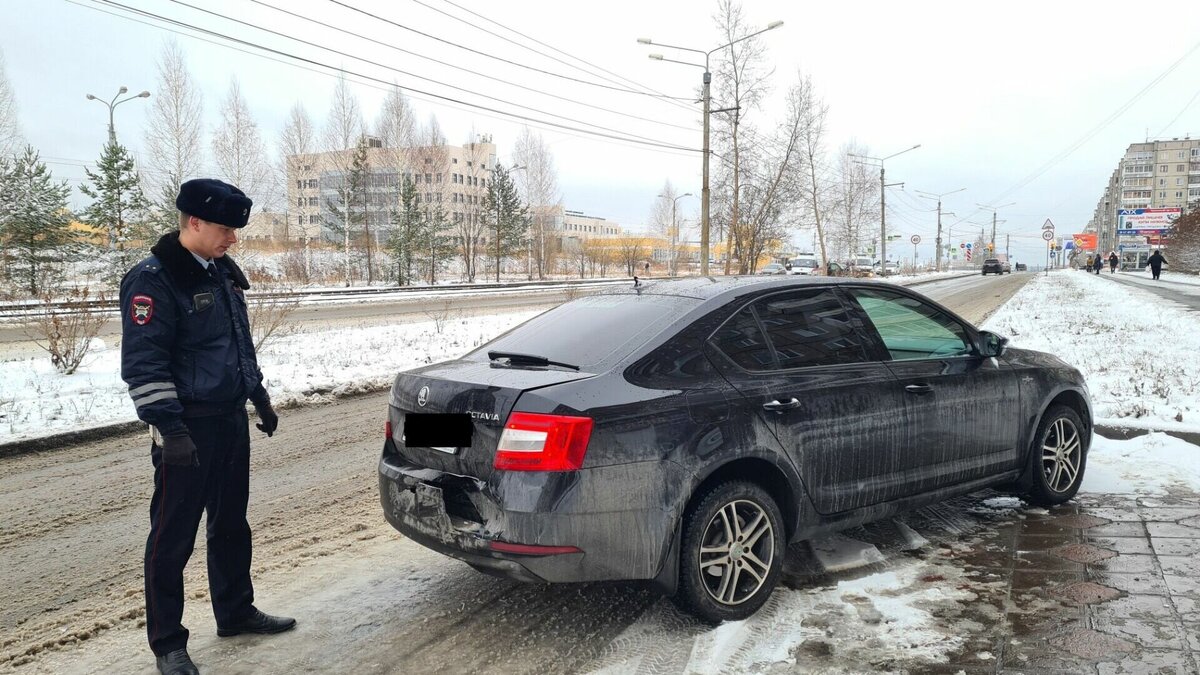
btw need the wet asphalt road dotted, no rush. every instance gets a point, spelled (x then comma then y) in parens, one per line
(1107, 580)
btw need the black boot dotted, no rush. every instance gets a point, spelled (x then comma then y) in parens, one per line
(257, 622)
(176, 663)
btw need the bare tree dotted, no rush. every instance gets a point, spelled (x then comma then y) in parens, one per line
(857, 202)
(396, 127)
(238, 149)
(467, 203)
(665, 218)
(539, 185)
(10, 126)
(429, 160)
(809, 113)
(295, 142)
(631, 250)
(741, 79)
(173, 137)
(343, 130)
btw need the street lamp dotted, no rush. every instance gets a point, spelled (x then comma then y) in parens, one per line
(937, 265)
(112, 132)
(883, 204)
(707, 99)
(674, 232)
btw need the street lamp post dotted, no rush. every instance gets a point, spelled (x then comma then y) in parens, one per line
(707, 100)
(883, 204)
(112, 131)
(674, 233)
(937, 265)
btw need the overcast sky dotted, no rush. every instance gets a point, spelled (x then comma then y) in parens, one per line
(992, 95)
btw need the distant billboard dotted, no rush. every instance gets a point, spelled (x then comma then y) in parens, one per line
(1145, 222)
(1086, 241)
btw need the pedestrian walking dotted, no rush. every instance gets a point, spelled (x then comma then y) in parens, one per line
(1113, 261)
(1098, 263)
(1156, 261)
(187, 354)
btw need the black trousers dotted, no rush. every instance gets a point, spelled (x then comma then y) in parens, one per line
(220, 486)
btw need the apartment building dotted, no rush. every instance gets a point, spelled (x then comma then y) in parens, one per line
(1152, 175)
(452, 177)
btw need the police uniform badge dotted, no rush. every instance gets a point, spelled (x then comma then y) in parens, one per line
(202, 301)
(142, 309)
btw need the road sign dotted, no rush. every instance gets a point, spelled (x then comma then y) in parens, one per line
(1047, 225)
(915, 239)
(1047, 234)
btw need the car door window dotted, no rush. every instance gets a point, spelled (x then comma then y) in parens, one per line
(911, 329)
(810, 328)
(742, 341)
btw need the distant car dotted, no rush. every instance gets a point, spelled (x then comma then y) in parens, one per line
(892, 267)
(1021, 267)
(773, 268)
(688, 431)
(803, 265)
(993, 266)
(1004, 264)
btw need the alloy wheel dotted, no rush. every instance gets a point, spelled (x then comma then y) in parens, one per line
(736, 552)
(1062, 451)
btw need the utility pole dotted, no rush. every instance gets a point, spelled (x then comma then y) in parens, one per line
(993, 230)
(1007, 237)
(929, 195)
(883, 186)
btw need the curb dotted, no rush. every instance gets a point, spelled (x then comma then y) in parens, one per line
(1126, 433)
(66, 439)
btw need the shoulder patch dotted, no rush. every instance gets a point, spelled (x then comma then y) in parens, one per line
(141, 309)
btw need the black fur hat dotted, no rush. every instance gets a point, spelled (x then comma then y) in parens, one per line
(214, 201)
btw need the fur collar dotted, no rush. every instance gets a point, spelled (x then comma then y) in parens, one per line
(182, 265)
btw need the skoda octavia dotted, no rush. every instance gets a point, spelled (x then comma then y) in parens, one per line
(687, 431)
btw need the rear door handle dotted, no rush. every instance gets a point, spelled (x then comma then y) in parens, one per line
(780, 406)
(918, 389)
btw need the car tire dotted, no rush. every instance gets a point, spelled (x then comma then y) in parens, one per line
(1057, 457)
(715, 592)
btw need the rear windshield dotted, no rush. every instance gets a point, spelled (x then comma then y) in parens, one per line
(804, 262)
(593, 333)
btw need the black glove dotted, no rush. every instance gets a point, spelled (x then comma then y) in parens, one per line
(179, 451)
(270, 421)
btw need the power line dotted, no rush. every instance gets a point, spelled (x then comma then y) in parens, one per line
(468, 70)
(439, 97)
(372, 83)
(397, 70)
(548, 46)
(503, 60)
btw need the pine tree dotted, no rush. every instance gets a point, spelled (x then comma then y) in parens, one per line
(120, 207)
(435, 245)
(404, 238)
(348, 210)
(504, 216)
(34, 221)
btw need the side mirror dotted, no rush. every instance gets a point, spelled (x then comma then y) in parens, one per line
(993, 345)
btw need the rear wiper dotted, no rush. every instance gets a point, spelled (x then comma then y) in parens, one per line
(515, 359)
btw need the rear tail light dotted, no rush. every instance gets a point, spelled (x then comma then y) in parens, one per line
(387, 429)
(536, 442)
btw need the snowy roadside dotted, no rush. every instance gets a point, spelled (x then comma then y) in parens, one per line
(1132, 346)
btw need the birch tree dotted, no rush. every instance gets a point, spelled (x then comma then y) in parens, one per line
(857, 203)
(344, 127)
(296, 141)
(10, 127)
(239, 152)
(174, 151)
(539, 185)
(809, 113)
(740, 81)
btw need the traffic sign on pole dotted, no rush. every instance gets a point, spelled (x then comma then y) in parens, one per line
(1047, 225)
(915, 239)
(1047, 234)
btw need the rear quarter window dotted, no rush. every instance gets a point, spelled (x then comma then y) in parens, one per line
(595, 332)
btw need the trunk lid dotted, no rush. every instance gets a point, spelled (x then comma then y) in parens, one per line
(468, 387)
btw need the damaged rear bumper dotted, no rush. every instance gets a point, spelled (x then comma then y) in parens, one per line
(461, 517)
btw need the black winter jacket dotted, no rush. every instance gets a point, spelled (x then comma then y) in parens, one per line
(186, 348)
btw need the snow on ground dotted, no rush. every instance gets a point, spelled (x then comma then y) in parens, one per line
(1153, 464)
(37, 401)
(1136, 349)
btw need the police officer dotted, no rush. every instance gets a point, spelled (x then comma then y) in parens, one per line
(187, 355)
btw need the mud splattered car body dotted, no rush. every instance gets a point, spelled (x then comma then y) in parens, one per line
(724, 418)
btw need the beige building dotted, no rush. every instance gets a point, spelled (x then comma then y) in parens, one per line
(454, 178)
(1151, 175)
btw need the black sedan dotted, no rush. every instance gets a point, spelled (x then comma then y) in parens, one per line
(687, 431)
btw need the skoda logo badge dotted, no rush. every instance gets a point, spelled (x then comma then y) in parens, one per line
(423, 396)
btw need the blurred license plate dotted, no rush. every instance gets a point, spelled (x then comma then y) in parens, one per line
(445, 432)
